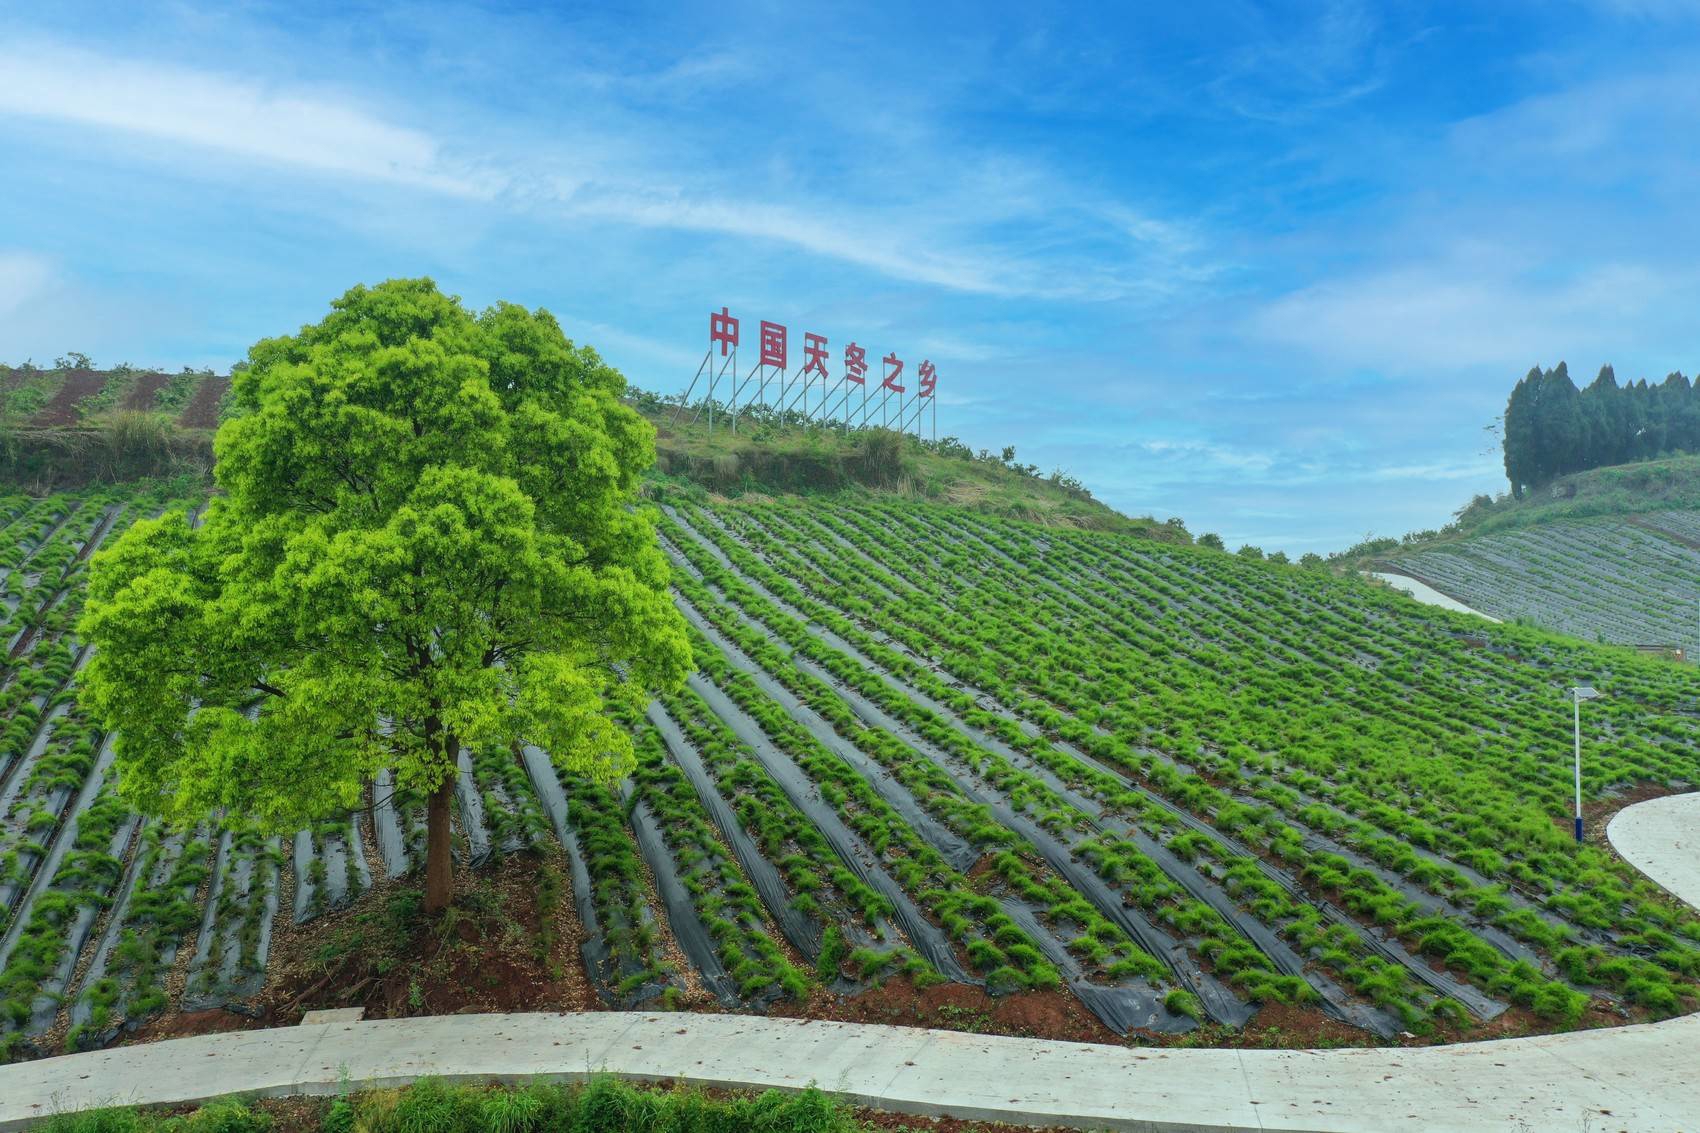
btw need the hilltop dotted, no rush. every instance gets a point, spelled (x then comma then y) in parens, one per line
(75, 426)
(1610, 554)
(767, 456)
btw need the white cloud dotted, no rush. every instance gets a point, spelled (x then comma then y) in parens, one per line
(23, 276)
(996, 227)
(1210, 455)
(237, 116)
(1439, 470)
(1461, 313)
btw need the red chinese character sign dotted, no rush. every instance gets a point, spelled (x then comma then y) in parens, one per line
(814, 355)
(773, 351)
(810, 396)
(722, 329)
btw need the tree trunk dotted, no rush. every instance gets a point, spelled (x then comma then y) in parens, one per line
(439, 830)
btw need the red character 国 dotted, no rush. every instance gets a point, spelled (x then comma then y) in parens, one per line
(894, 372)
(929, 378)
(722, 328)
(814, 354)
(772, 344)
(855, 364)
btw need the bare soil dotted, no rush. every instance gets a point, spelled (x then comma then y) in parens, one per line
(497, 950)
(202, 410)
(61, 409)
(958, 1007)
(144, 392)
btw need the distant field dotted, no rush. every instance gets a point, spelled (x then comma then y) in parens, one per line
(62, 398)
(1162, 786)
(1633, 581)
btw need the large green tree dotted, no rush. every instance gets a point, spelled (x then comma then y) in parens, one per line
(425, 541)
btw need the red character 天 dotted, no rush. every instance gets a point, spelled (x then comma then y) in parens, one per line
(929, 378)
(855, 363)
(895, 372)
(814, 354)
(773, 351)
(722, 328)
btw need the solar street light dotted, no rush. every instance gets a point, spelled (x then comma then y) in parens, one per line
(1578, 695)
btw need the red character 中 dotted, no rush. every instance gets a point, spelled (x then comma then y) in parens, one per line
(814, 354)
(929, 378)
(855, 364)
(722, 328)
(893, 374)
(772, 344)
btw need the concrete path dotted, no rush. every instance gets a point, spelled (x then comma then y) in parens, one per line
(1661, 838)
(1425, 593)
(1626, 1078)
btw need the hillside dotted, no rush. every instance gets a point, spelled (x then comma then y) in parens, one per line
(72, 427)
(773, 458)
(935, 766)
(1609, 555)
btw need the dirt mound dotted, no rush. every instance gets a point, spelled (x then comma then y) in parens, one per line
(509, 943)
(202, 410)
(62, 408)
(144, 392)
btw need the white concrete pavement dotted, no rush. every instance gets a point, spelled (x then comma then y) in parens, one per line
(1661, 838)
(1425, 593)
(1627, 1078)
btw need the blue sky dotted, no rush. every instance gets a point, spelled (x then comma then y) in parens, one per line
(1271, 268)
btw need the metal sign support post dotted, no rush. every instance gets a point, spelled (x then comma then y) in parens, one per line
(707, 364)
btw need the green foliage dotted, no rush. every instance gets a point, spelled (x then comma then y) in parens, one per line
(602, 1105)
(424, 541)
(1552, 430)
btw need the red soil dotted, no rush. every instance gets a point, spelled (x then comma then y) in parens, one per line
(144, 392)
(62, 409)
(202, 410)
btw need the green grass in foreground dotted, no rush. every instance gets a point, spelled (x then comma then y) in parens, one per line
(604, 1105)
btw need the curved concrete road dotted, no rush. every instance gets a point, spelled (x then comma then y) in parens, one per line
(1626, 1078)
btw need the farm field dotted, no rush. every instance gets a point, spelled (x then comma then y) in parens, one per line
(1631, 580)
(926, 747)
(61, 398)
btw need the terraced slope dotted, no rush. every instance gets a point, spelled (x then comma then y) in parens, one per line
(1628, 581)
(1168, 783)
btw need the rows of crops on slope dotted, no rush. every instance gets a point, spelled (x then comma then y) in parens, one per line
(1275, 728)
(1169, 784)
(1628, 582)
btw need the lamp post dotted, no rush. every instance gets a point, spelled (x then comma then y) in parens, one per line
(1578, 695)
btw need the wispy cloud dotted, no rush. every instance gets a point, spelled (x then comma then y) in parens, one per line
(1466, 313)
(1209, 454)
(226, 114)
(995, 228)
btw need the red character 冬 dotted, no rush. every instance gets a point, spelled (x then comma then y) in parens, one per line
(772, 344)
(855, 364)
(814, 354)
(722, 328)
(929, 378)
(893, 374)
